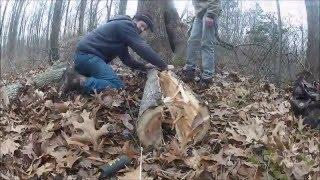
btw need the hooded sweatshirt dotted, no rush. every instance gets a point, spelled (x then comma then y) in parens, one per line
(113, 38)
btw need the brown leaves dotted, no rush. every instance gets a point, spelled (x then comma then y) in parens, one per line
(135, 174)
(28, 150)
(126, 121)
(129, 150)
(109, 98)
(61, 107)
(252, 135)
(47, 167)
(253, 131)
(9, 146)
(300, 170)
(87, 130)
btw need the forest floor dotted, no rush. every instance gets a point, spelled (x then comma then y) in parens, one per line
(253, 135)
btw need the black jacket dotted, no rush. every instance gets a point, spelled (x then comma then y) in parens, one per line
(112, 39)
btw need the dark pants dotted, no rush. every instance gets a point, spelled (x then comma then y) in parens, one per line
(100, 75)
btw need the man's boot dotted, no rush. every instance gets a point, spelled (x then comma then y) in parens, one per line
(188, 75)
(205, 82)
(71, 81)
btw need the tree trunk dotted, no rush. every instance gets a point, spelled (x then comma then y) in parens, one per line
(302, 50)
(75, 21)
(12, 39)
(1, 26)
(313, 56)
(109, 7)
(39, 25)
(3, 17)
(90, 24)
(279, 59)
(55, 31)
(48, 26)
(177, 31)
(66, 19)
(93, 15)
(22, 23)
(123, 7)
(83, 4)
(169, 32)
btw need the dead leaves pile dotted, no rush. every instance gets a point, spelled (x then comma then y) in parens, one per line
(253, 135)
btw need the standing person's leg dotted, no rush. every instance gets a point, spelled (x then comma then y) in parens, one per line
(193, 49)
(100, 74)
(207, 51)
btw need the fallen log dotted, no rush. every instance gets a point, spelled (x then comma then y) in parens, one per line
(163, 90)
(150, 113)
(50, 76)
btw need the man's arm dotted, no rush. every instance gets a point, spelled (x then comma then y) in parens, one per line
(214, 9)
(139, 45)
(127, 60)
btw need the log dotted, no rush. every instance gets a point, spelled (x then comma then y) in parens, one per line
(149, 121)
(164, 90)
(50, 76)
(4, 99)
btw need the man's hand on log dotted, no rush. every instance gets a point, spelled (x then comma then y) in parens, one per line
(170, 67)
(150, 66)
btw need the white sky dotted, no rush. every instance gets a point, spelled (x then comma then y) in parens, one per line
(293, 10)
(290, 9)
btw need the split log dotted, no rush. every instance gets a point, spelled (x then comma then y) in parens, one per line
(189, 118)
(50, 76)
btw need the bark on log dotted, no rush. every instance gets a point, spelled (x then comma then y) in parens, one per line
(52, 75)
(150, 113)
(189, 118)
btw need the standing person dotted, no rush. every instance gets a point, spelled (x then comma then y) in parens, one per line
(98, 48)
(202, 40)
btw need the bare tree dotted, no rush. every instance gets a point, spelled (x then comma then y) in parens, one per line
(93, 14)
(66, 19)
(22, 23)
(48, 24)
(55, 31)
(83, 4)
(2, 18)
(122, 7)
(12, 39)
(313, 46)
(109, 4)
(279, 59)
(169, 37)
(1, 26)
(75, 21)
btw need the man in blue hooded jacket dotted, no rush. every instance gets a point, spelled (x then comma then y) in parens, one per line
(98, 48)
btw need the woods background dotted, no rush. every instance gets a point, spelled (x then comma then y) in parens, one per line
(39, 32)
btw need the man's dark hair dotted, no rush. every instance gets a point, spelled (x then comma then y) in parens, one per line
(145, 18)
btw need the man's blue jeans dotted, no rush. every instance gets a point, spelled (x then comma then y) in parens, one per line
(100, 75)
(201, 40)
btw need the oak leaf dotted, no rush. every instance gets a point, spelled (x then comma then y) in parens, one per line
(8, 147)
(88, 133)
